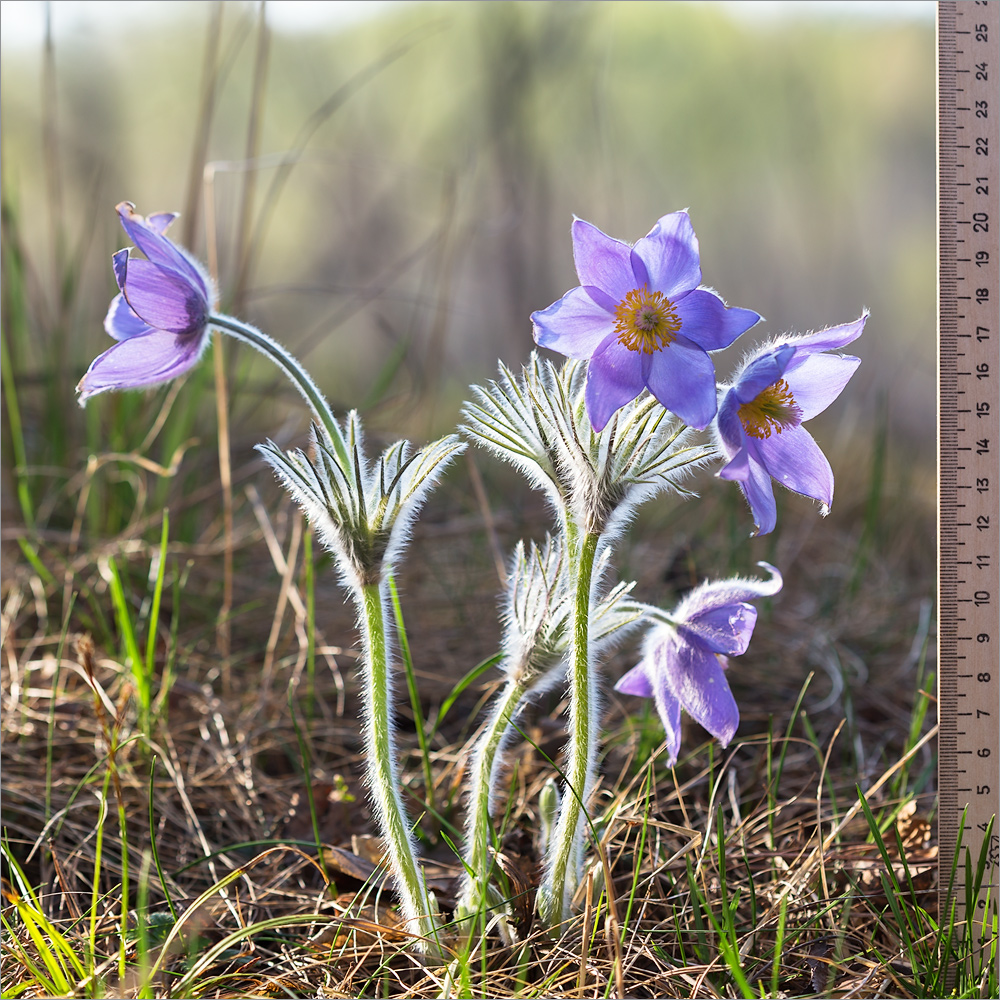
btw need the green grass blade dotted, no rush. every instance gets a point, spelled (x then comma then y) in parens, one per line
(52, 946)
(152, 841)
(54, 983)
(411, 684)
(470, 678)
(16, 435)
(637, 863)
(136, 661)
(386, 374)
(779, 944)
(154, 611)
(50, 731)
(95, 893)
(29, 553)
(306, 758)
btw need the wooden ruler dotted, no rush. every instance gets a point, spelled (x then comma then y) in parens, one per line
(969, 458)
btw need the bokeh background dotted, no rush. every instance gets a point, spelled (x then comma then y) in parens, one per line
(392, 196)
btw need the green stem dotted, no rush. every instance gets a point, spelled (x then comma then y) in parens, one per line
(294, 370)
(380, 764)
(477, 862)
(563, 864)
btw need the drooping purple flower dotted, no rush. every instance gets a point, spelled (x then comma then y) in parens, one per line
(683, 661)
(759, 426)
(640, 318)
(160, 316)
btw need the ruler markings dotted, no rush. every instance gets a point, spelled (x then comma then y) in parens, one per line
(969, 444)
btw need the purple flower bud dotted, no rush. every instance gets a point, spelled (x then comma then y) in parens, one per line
(683, 661)
(759, 426)
(640, 318)
(160, 316)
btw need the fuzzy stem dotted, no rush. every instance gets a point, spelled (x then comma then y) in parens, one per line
(475, 885)
(562, 865)
(294, 370)
(380, 764)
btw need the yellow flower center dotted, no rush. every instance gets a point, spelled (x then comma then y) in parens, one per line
(646, 321)
(773, 409)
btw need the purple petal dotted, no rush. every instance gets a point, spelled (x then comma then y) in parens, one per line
(759, 494)
(119, 264)
(160, 221)
(614, 378)
(602, 261)
(157, 248)
(669, 254)
(716, 595)
(722, 630)
(697, 681)
(141, 361)
(636, 682)
(121, 323)
(830, 339)
(163, 298)
(732, 437)
(793, 459)
(669, 709)
(574, 326)
(818, 380)
(602, 299)
(762, 370)
(737, 470)
(682, 378)
(707, 321)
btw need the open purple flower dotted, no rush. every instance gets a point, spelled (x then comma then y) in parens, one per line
(683, 658)
(640, 318)
(160, 316)
(779, 387)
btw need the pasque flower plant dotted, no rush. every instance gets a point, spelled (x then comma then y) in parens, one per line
(537, 639)
(777, 388)
(162, 318)
(621, 422)
(642, 321)
(159, 316)
(687, 650)
(594, 481)
(361, 510)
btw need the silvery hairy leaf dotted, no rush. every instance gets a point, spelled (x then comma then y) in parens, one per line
(361, 509)
(594, 479)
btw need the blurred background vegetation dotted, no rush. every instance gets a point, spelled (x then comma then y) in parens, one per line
(413, 178)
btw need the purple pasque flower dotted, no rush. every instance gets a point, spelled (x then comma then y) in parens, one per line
(640, 318)
(684, 656)
(160, 315)
(759, 426)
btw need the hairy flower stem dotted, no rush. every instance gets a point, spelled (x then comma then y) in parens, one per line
(562, 865)
(301, 379)
(475, 893)
(380, 765)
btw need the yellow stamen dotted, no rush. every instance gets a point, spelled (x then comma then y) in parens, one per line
(646, 321)
(773, 409)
